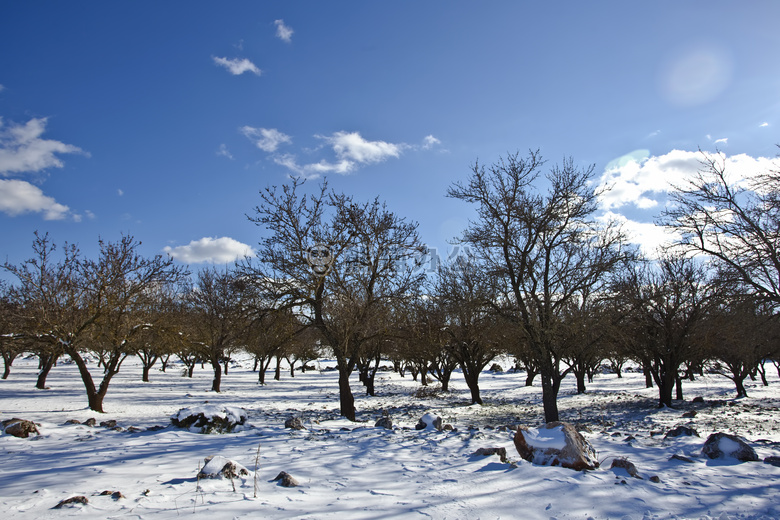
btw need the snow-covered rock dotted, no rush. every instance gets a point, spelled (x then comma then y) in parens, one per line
(294, 423)
(19, 427)
(209, 418)
(427, 421)
(723, 445)
(221, 467)
(557, 444)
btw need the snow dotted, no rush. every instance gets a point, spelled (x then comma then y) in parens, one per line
(352, 470)
(233, 413)
(727, 446)
(546, 438)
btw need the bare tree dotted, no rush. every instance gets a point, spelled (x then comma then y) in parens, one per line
(737, 223)
(669, 302)
(370, 249)
(740, 334)
(545, 248)
(219, 303)
(48, 295)
(472, 326)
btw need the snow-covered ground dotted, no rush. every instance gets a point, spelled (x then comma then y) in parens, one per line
(357, 470)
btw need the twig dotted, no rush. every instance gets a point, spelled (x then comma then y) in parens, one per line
(257, 463)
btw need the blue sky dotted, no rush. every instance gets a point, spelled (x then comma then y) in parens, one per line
(164, 119)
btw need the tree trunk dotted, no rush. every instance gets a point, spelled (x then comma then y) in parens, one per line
(580, 376)
(678, 386)
(8, 359)
(346, 399)
(530, 375)
(111, 365)
(217, 368)
(549, 395)
(278, 372)
(46, 362)
(444, 379)
(762, 372)
(666, 383)
(739, 383)
(648, 376)
(145, 373)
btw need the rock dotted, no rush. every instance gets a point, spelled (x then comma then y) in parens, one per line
(698, 399)
(116, 495)
(72, 500)
(108, 424)
(496, 368)
(626, 465)
(19, 428)
(655, 478)
(485, 452)
(680, 431)
(689, 415)
(294, 423)
(72, 421)
(448, 428)
(681, 458)
(385, 422)
(723, 445)
(285, 480)
(221, 467)
(774, 461)
(428, 421)
(557, 444)
(210, 418)
(90, 422)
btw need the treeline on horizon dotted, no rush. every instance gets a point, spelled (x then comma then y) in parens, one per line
(541, 280)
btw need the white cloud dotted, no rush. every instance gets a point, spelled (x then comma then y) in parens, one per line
(651, 238)
(120, 192)
(764, 124)
(314, 170)
(224, 152)
(267, 139)
(351, 146)
(283, 32)
(724, 140)
(18, 197)
(237, 66)
(429, 142)
(210, 250)
(23, 150)
(638, 179)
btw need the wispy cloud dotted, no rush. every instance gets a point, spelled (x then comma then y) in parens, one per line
(210, 250)
(764, 124)
(237, 66)
(224, 152)
(429, 142)
(283, 32)
(18, 197)
(350, 151)
(267, 139)
(724, 140)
